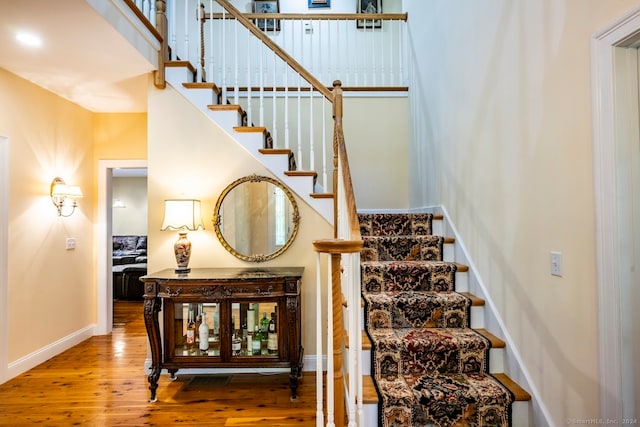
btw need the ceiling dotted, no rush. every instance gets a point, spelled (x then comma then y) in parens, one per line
(82, 57)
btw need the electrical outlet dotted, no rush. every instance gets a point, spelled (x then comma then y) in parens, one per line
(70, 243)
(556, 263)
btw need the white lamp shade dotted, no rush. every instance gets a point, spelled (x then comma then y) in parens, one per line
(181, 215)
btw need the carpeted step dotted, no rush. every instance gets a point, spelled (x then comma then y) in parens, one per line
(395, 224)
(398, 276)
(445, 400)
(401, 352)
(402, 248)
(417, 310)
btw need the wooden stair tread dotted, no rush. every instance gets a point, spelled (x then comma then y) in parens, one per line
(249, 129)
(369, 393)
(438, 217)
(366, 342)
(322, 195)
(225, 107)
(202, 85)
(449, 240)
(462, 268)
(275, 151)
(495, 341)
(520, 394)
(301, 173)
(475, 301)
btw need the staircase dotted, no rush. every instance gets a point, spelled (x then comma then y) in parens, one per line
(255, 139)
(432, 362)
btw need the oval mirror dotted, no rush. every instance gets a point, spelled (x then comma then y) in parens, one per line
(256, 218)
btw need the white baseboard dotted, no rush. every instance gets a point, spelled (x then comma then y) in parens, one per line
(47, 352)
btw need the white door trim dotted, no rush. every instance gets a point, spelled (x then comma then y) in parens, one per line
(607, 236)
(102, 231)
(4, 255)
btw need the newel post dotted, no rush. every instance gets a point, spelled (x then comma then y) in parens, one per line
(163, 54)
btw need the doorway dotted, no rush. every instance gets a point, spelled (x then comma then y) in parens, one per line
(104, 231)
(616, 143)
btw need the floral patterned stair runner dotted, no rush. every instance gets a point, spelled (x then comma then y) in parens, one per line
(429, 367)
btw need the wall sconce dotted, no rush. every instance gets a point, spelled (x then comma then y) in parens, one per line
(182, 215)
(64, 196)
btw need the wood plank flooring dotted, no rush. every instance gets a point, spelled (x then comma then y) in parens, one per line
(102, 382)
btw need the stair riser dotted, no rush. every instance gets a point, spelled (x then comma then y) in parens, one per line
(227, 120)
(462, 281)
(448, 252)
(496, 360)
(477, 317)
(178, 75)
(519, 414)
(437, 227)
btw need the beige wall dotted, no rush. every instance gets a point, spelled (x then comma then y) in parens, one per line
(132, 219)
(377, 138)
(190, 156)
(502, 126)
(48, 137)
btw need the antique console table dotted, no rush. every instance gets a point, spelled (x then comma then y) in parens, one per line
(215, 317)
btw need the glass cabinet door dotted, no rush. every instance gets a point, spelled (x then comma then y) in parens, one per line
(255, 329)
(196, 329)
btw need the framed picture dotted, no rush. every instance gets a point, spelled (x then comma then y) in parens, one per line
(369, 6)
(319, 3)
(266, 7)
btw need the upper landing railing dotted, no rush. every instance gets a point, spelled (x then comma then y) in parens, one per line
(361, 50)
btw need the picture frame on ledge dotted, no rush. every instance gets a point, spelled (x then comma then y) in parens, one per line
(319, 3)
(369, 6)
(266, 7)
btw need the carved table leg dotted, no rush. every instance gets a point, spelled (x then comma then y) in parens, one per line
(296, 373)
(151, 309)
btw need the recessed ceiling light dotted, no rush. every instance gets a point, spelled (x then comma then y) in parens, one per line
(29, 39)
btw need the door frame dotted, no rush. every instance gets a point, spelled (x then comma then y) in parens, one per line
(103, 232)
(4, 257)
(607, 113)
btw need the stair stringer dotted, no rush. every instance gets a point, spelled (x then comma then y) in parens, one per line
(252, 142)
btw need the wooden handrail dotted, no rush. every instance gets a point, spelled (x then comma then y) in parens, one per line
(315, 16)
(340, 150)
(295, 65)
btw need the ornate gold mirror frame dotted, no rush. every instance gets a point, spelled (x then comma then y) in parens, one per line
(253, 220)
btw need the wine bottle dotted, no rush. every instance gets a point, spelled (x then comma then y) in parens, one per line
(203, 333)
(236, 345)
(249, 342)
(272, 341)
(264, 323)
(191, 333)
(256, 343)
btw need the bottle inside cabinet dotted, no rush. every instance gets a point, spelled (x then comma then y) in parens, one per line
(251, 338)
(197, 329)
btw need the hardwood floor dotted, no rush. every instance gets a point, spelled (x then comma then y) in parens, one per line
(102, 382)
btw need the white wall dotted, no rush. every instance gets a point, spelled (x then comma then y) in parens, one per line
(501, 109)
(132, 219)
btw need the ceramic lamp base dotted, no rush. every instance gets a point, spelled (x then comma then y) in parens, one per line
(182, 249)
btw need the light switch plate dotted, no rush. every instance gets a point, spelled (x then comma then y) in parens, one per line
(556, 263)
(70, 243)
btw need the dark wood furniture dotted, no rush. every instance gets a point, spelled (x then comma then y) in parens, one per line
(226, 295)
